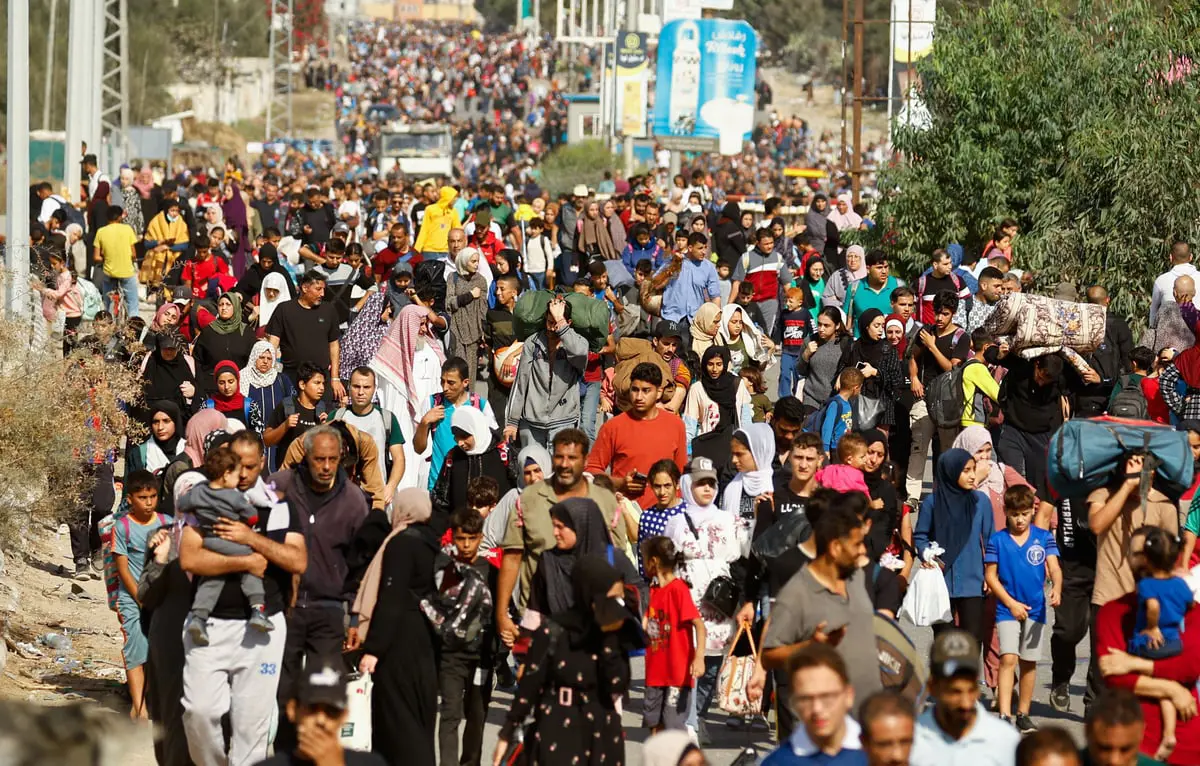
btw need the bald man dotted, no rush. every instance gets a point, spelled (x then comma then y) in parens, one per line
(1109, 362)
(1181, 265)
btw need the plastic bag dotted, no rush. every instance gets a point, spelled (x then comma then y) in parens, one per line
(733, 682)
(927, 601)
(356, 731)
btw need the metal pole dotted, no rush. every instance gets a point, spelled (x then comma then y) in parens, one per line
(908, 71)
(892, 64)
(79, 93)
(856, 158)
(17, 190)
(48, 91)
(845, 75)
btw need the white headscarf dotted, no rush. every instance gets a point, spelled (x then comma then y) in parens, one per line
(266, 307)
(467, 418)
(462, 260)
(751, 336)
(250, 376)
(760, 438)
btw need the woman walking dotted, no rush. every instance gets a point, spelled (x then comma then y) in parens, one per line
(466, 301)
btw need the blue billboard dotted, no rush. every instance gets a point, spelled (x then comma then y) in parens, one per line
(705, 83)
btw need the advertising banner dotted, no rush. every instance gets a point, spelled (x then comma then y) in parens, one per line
(632, 74)
(705, 87)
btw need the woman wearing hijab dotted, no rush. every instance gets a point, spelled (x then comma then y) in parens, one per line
(705, 324)
(465, 300)
(508, 261)
(957, 517)
(165, 319)
(533, 465)
(576, 669)
(237, 226)
(170, 374)
(251, 282)
(892, 527)
(745, 342)
(477, 453)
(579, 530)
(718, 399)
(274, 291)
(408, 370)
(262, 384)
(616, 229)
(729, 241)
(672, 748)
(784, 245)
(227, 398)
(814, 280)
(228, 338)
(877, 360)
(838, 283)
(594, 237)
(365, 333)
(200, 426)
(753, 452)
(164, 444)
(815, 221)
(397, 640)
(707, 537)
(992, 479)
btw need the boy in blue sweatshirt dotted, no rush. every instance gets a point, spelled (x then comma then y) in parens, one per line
(839, 412)
(642, 245)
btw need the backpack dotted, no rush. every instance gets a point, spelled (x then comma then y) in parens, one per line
(289, 408)
(815, 422)
(89, 298)
(433, 274)
(74, 214)
(107, 528)
(458, 614)
(946, 399)
(387, 416)
(630, 353)
(1130, 401)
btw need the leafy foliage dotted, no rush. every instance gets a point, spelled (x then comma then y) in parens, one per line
(1077, 119)
(579, 163)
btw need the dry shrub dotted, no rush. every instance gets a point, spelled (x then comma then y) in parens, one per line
(54, 415)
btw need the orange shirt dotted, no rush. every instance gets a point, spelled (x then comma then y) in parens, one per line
(624, 445)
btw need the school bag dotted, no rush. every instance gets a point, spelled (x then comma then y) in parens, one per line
(89, 298)
(433, 274)
(289, 408)
(107, 528)
(815, 422)
(945, 397)
(1085, 453)
(1130, 401)
(459, 613)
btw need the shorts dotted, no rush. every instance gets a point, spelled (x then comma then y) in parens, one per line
(136, 648)
(1023, 638)
(666, 706)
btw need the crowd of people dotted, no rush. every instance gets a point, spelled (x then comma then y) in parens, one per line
(470, 438)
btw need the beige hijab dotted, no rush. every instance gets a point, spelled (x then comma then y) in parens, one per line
(411, 506)
(704, 327)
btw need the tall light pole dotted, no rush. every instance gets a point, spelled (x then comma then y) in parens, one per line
(49, 90)
(17, 249)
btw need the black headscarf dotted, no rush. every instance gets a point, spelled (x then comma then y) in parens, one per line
(591, 579)
(396, 297)
(583, 517)
(886, 519)
(869, 349)
(251, 282)
(723, 391)
(170, 446)
(162, 377)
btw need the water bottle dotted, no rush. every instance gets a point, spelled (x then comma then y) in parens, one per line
(56, 641)
(685, 80)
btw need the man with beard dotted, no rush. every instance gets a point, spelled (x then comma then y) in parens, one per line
(530, 533)
(826, 602)
(398, 249)
(332, 509)
(787, 421)
(956, 729)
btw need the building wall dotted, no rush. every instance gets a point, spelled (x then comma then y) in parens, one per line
(243, 95)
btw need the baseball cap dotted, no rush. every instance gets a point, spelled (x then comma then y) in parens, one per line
(670, 217)
(701, 468)
(341, 228)
(322, 683)
(668, 329)
(954, 652)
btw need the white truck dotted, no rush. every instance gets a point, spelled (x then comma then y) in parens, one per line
(418, 150)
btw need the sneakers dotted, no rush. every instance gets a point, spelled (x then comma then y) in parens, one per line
(1060, 697)
(259, 620)
(1008, 719)
(83, 569)
(197, 630)
(1025, 724)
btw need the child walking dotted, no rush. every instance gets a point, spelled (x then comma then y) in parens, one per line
(672, 661)
(219, 498)
(1163, 600)
(1016, 561)
(131, 540)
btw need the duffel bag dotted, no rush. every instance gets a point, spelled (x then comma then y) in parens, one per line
(1085, 453)
(589, 316)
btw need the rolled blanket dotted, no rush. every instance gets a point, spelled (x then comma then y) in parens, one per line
(1037, 325)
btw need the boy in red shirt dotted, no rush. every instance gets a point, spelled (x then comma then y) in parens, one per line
(672, 662)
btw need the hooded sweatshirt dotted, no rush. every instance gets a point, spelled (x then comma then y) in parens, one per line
(545, 393)
(439, 219)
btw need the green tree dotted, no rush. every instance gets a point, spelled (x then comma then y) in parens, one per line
(1076, 118)
(579, 163)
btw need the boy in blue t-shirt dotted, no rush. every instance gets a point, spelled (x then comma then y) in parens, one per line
(838, 419)
(1016, 561)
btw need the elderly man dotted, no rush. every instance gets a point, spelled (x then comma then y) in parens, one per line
(1181, 265)
(331, 511)
(239, 662)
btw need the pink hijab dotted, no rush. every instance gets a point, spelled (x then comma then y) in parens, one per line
(399, 348)
(199, 426)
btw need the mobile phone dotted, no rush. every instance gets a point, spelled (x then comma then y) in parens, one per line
(861, 365)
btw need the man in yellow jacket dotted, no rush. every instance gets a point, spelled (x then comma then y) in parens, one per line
(439, 219)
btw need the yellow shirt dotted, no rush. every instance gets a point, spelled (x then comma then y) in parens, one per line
(115, 243)
(976, 377)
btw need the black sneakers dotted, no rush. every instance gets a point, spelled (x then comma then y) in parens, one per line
(1025, 724)
(1060, 697)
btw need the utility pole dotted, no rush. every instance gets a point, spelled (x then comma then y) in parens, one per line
(845, 75)
(17, 249)
(856, 158)
(83, 93)
(48, 92)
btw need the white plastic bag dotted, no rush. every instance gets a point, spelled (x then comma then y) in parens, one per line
(927, 601)
(356, 731)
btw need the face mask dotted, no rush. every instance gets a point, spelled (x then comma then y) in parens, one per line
(172, 218)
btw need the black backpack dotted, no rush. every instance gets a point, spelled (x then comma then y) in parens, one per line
(459, 613)
(1129, 402)
(432, 273)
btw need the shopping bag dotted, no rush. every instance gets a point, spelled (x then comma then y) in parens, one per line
(927, 601)
(356, 731)
(733, 682)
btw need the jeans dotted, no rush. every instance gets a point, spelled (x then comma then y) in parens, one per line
(589, 407)
(789, 377)
(129, 293)
(706, 687)
(920, 425)
(539, 279)
(530, 434)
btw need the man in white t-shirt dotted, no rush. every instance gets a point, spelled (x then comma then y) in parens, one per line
(382, 425)
(1164, 285)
